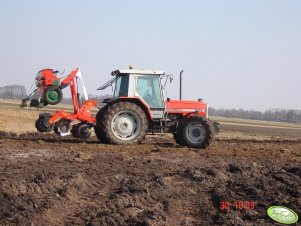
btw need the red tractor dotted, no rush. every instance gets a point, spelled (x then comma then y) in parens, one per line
(138, 106)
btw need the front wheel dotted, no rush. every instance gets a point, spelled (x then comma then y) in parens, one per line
(195, 132)
(121, 123)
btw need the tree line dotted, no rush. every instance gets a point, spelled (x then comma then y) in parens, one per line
(12, 92)
(273, 114)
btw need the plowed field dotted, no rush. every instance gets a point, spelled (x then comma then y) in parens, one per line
(48, 180)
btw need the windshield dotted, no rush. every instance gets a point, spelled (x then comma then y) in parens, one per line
(148, 87)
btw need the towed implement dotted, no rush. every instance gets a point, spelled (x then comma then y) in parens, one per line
(138, 106)
(49, 91)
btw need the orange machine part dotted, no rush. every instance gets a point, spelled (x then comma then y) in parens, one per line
(50, 78)
(84, 114)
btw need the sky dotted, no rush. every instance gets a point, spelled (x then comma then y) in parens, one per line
(235, 54)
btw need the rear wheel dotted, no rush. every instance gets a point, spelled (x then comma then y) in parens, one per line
(121, 123)
(195, 132)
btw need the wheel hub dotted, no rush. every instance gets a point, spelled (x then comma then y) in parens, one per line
(195, 133)
(125, 125)
(63, 127)
(53, 96)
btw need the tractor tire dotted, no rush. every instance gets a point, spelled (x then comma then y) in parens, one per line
(40, 126)
(99, 132)
(178, 139)
(195, 132)
(81, 131)
(121, 123)
(53, 95)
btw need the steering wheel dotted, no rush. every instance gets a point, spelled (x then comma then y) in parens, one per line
(148, 97)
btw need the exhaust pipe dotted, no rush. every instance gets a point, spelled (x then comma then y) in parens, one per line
(181, 84)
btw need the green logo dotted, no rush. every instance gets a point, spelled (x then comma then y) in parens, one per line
(282, 214)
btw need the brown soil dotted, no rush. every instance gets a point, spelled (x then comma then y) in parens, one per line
(46, 180)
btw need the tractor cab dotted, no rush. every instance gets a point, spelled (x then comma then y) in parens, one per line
(145, 87)
(142, 85)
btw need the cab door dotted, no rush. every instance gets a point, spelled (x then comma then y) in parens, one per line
(148, 87)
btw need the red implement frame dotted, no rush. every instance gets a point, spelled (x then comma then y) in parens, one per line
(81, 113)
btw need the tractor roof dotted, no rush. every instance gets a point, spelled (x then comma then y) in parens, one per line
(140, 72)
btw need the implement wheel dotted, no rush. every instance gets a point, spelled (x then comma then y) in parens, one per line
(62, 127)
(81, 131)
(41, 126)
(53, 95)
(121, 123)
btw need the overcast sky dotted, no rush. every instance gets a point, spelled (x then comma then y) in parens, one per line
(235, 54)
